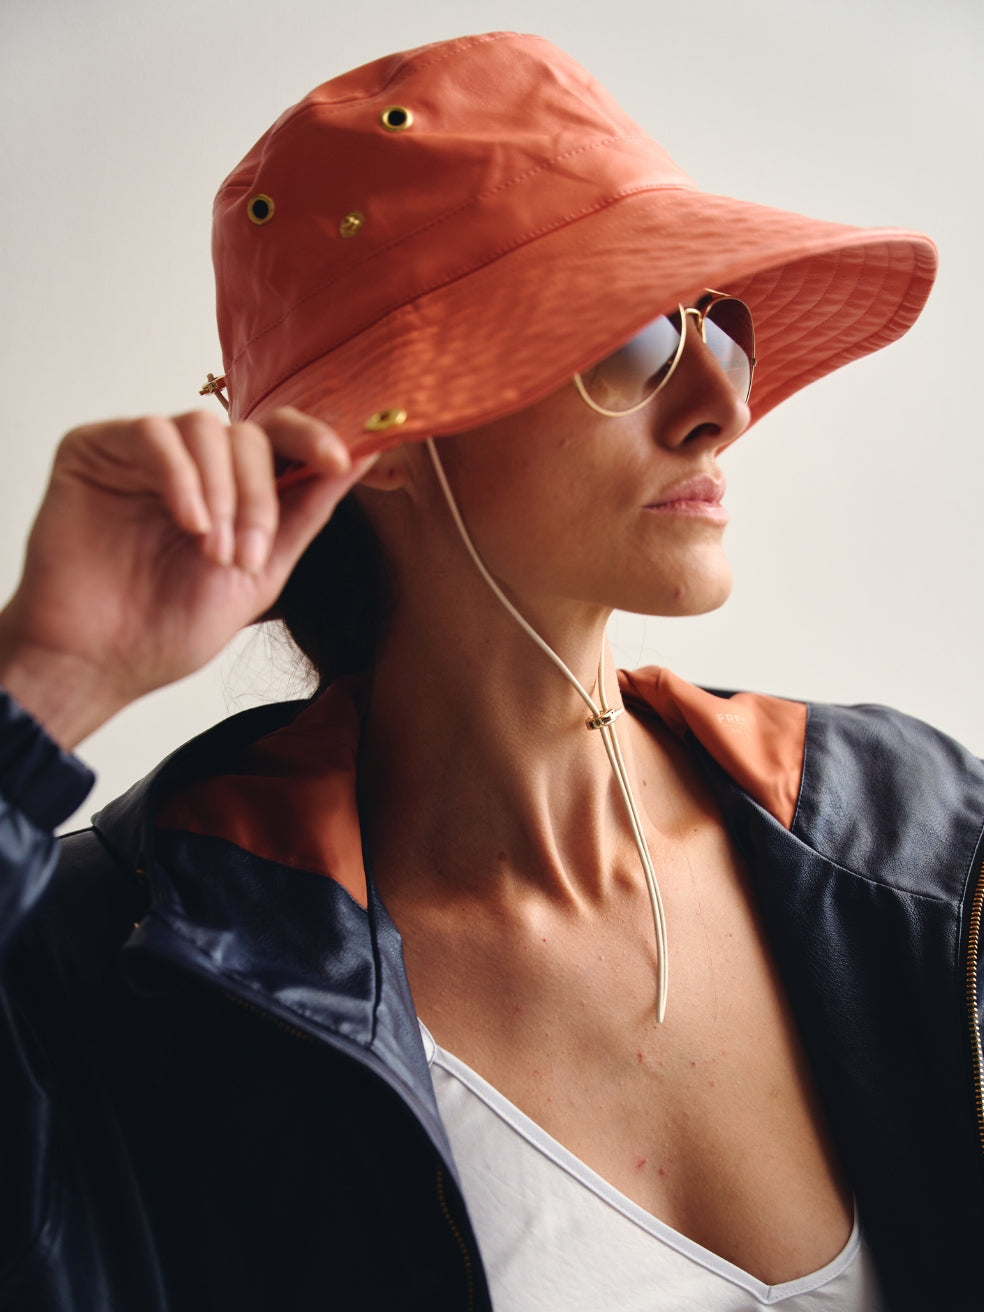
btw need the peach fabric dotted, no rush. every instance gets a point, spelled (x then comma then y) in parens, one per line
(520, 228)
(291, 797)
(758, 740)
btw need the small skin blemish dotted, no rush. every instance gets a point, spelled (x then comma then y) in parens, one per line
(662, 1170)
(638, 1056)
(640, 1163)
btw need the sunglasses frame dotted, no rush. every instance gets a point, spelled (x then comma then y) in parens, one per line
(699, 312)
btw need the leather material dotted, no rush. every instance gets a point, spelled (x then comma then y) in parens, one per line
(874, 970)
(229, 1105)
(40, 786)
(36, 775)
(195, 1115)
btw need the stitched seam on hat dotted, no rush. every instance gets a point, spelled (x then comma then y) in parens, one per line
(498, 253)
(504, 186)
(450, 214)
(403, 238)
(329, 346)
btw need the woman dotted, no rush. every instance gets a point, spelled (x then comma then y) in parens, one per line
(445, 982)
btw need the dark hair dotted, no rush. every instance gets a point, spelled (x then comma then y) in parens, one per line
(333, 604)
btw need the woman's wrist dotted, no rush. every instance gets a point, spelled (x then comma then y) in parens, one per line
(67, 695)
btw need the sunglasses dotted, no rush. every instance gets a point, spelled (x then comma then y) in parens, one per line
(628, 379)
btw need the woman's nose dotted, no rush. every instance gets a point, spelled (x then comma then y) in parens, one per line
(699, 402)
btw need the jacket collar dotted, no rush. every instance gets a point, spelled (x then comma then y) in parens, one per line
(329, 968)
(281, 783)
(126, 825)
(238, 829)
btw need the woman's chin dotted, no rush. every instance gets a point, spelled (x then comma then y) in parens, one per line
(695, 593)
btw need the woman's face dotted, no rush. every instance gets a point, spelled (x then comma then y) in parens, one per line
(567, 505)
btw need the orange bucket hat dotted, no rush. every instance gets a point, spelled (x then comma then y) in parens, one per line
(446, 235)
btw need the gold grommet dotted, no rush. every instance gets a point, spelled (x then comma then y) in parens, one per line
(351, 224)
(396, 118)
(260, 209)
(212, 384)
(392, 417)
(213, 387)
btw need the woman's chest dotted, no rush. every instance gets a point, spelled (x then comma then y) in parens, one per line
(708, 1121)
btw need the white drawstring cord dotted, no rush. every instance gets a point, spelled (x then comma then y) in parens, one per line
(601, 718)
(617, 761)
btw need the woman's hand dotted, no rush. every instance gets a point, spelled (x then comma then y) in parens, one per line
(156, 541)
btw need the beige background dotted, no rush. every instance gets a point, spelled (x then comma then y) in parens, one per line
(855, 529)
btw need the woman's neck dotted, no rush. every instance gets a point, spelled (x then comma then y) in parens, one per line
(477, 764)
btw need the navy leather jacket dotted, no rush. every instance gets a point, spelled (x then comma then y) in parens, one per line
(213, 1089)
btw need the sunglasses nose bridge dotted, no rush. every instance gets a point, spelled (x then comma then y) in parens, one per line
(666, 364)
(693, 311)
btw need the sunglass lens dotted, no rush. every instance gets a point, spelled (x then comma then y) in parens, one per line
(628, 377)
(730, 337)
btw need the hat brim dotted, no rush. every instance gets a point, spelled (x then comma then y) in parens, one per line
(498, 338)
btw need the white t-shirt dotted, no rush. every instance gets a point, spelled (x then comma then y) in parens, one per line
(556, 1237)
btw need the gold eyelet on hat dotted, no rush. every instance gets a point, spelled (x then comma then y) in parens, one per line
(396, 118)
(392, 417)
(351, 224)
(260, 209)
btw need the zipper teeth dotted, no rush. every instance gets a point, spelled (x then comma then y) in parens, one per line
(442, 1200)
(973, 956)
(459, 1239)
(266, 1015)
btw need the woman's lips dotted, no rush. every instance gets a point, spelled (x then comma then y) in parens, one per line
(699, 497)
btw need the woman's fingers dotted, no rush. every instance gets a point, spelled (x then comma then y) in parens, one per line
(209, 442)
(136, 457)
(127, 574)
(257, 507)
(303, 440)
(236, 467)
(217, 481)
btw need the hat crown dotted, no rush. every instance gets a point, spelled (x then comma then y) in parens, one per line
(446, 236)
(507, 138)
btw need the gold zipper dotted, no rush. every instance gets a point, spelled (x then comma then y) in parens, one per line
(459, 1240)
(973, 956)
(442, 1200)
(266, 1015)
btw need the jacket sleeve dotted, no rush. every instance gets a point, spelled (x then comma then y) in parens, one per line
(40, 786)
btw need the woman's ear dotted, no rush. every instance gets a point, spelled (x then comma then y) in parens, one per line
(393, 470)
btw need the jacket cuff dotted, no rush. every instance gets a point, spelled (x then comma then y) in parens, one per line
(39, 777)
